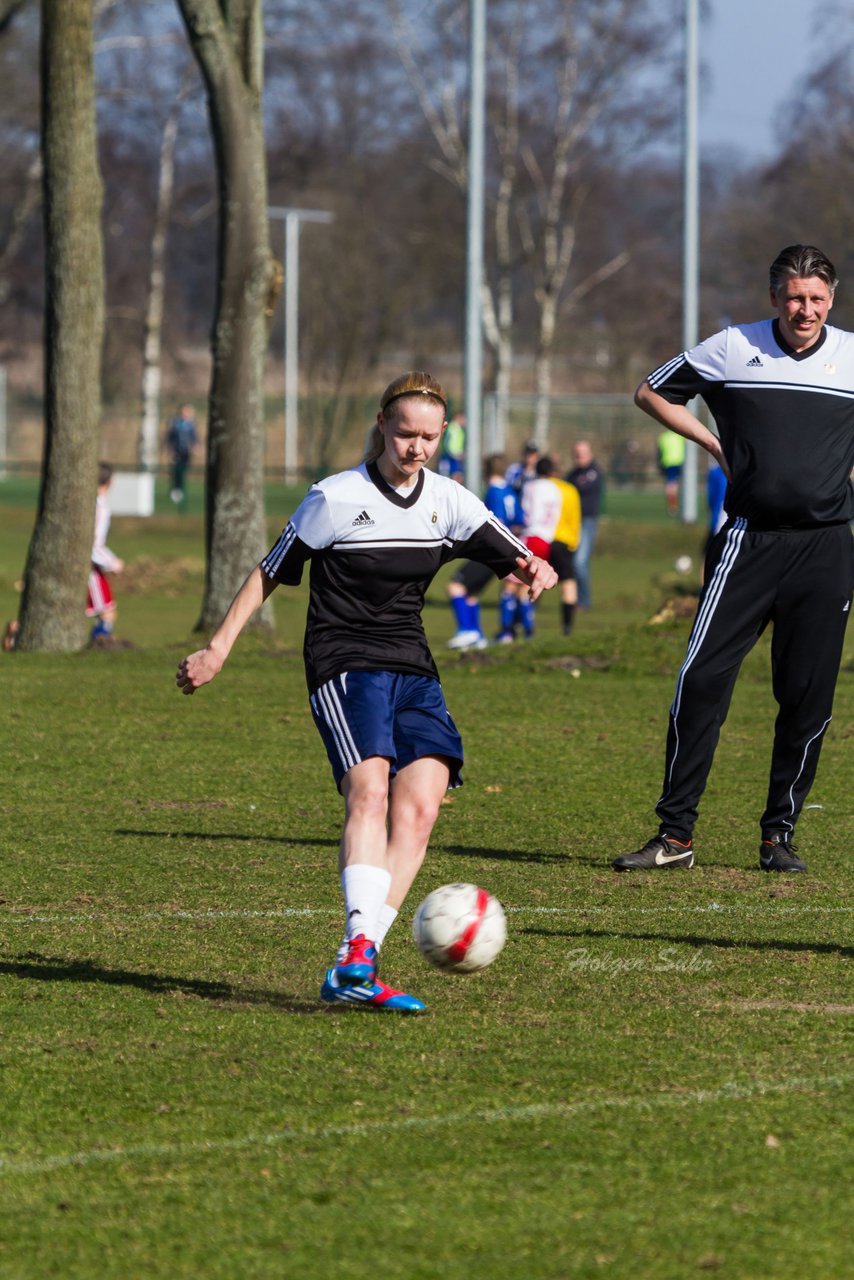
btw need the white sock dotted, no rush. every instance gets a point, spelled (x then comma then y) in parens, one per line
(365, 891)
(386, 919)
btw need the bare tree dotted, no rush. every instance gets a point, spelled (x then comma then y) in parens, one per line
(227, 39)
(52, 605)
(149, 430)
(8, 9)
(567, 88)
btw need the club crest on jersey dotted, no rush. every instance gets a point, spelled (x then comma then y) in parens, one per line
(435, 517)
(363, 521)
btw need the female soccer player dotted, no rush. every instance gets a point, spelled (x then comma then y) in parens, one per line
(376, 536)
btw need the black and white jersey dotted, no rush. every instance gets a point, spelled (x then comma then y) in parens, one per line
(374, 552)
(785, 420)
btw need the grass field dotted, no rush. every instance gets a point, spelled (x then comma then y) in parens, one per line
(650, 1081)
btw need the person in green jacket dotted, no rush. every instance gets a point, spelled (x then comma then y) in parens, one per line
(671, 460)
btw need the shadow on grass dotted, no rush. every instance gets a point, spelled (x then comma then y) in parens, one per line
(697, 940)
(32, 965)
(499, 855)
(253, 837)
(458, 850)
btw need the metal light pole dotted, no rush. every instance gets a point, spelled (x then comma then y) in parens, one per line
(474, 244)
(293, 219)
(690, 234)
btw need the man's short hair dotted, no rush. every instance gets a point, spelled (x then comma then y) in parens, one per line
(802, 261)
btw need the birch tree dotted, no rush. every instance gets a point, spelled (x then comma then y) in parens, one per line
(152, 373)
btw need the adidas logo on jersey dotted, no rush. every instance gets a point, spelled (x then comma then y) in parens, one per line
(755, 363)
(363, 521)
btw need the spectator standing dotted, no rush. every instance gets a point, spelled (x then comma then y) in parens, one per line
(671, 464)
(590, 483)
(181, 439)
(452, 459)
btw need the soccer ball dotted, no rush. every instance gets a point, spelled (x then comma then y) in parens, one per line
(459, 928)
(683, 564)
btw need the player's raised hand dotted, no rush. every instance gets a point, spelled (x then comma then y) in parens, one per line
(197, 669)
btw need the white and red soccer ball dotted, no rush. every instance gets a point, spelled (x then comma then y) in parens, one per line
(459, 928)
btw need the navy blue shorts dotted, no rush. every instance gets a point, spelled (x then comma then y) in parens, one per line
(383, 713)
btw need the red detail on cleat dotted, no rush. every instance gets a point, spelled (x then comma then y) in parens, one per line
(384, 993)
(459, 950)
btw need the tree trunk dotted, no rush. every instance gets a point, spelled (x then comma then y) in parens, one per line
(226, 36)
(149, 431)
(52, 609)
(543, 370)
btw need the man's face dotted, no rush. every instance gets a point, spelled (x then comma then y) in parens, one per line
(802, 306)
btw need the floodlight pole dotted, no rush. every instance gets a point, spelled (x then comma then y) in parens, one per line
(473, 374)
(690, 234)
(4, 443)
(293, 220)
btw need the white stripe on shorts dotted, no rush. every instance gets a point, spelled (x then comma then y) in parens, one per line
(96, 593)
(327, 703)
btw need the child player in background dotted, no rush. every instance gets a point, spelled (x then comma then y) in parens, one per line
(100, 605)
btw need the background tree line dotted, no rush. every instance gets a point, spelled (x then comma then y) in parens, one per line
(345, 87)
(363, 108)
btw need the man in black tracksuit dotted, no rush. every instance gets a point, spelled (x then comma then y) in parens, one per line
(782, 395)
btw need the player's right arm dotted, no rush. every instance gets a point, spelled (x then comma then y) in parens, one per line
(200, 667)
(679, 418)
(309, 528)
(667, 391)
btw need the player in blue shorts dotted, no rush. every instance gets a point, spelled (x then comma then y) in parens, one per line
(374, 538)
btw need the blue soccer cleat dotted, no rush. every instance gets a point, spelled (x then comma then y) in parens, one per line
(368, 995)
(360, 962)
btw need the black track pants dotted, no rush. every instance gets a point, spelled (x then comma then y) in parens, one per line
(801, 581)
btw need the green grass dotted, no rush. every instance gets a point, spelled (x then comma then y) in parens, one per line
(650, 1081)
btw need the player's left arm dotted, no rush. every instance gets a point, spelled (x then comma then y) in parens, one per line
(493, 544)
(537, 574)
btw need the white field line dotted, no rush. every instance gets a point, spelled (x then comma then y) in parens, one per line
(287, 913)
(730, 1092)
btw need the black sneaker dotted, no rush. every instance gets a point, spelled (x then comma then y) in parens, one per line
(661, 851)
(777, 854)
